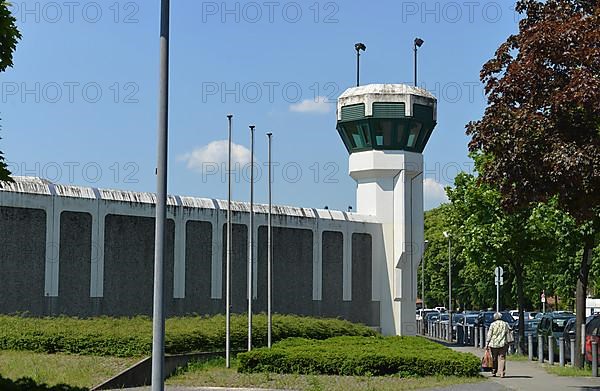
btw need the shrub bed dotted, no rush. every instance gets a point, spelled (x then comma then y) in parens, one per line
(360, 356)
(127, 337)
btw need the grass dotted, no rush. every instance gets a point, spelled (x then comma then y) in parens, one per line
(517, 357)
(568, 371)
(53, 369)
(214, 374)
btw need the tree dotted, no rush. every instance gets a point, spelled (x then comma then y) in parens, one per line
(541, 127)
(490, 237)
(9, 36)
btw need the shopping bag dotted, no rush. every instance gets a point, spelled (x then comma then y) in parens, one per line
(486, 361)
(510, 338)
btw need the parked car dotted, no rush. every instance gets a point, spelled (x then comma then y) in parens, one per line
(592, 332)
(514, 314)
(568, 335)
(466, 319)
(485, 318)
(431, 317)
(444, 318)
(441, 309)
(422, 313)
(529, 315)
(530, 328)
(552, 323)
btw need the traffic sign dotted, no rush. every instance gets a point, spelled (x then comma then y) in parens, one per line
(499, 273)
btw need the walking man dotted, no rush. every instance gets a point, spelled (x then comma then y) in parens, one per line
(497, 340)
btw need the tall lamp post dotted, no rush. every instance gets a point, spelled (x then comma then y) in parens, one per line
(158, 313)
(358, 47)
(251, 238)
(269, 250)
(425, 244)
(228, 264)
(447, 235)
(418, 43)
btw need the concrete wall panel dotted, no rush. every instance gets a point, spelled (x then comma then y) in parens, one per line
(198, 256)
(22, 260)
(292, 270)
(75, 263)
(129, 265)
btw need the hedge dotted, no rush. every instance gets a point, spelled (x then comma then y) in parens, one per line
(127, 337)
(360, 356)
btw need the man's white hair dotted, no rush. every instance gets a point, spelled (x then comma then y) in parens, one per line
(497, 316)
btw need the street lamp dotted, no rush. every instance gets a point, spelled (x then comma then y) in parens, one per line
(251, 238)
(270, 248)
(158, 311)
(228, 262)
(425, 244)
(447, 235)
(418, 43)
(358, 47)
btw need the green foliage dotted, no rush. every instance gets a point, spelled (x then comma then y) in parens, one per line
(124, 337)
(537, 247)
(435, 257)
(360, 356)
(9, 36)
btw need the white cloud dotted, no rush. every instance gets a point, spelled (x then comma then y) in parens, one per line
(433, 193)
(216, 153)
(321, 105)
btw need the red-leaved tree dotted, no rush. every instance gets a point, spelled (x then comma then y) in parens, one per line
(541, 128)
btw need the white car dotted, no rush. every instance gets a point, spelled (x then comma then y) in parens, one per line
(514, 314)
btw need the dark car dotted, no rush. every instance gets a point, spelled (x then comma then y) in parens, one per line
(530, 328)
(485, 318)
(553, 323)
(590, 330)
(459, 327)
(568, 335)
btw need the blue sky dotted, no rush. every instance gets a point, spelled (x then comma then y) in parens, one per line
(80, 105)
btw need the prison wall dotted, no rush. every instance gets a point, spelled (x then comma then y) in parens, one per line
(87, 252)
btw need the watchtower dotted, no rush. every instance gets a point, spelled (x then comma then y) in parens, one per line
(385, 128)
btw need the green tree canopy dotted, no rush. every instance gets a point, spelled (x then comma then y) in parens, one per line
(541, 128)
(9, 36)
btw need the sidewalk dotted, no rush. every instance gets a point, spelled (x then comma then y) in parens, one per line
(526, 375)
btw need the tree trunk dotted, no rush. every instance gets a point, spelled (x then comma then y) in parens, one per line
(582, 282)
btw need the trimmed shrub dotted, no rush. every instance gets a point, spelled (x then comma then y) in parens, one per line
(127, 337)
(360, 356)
